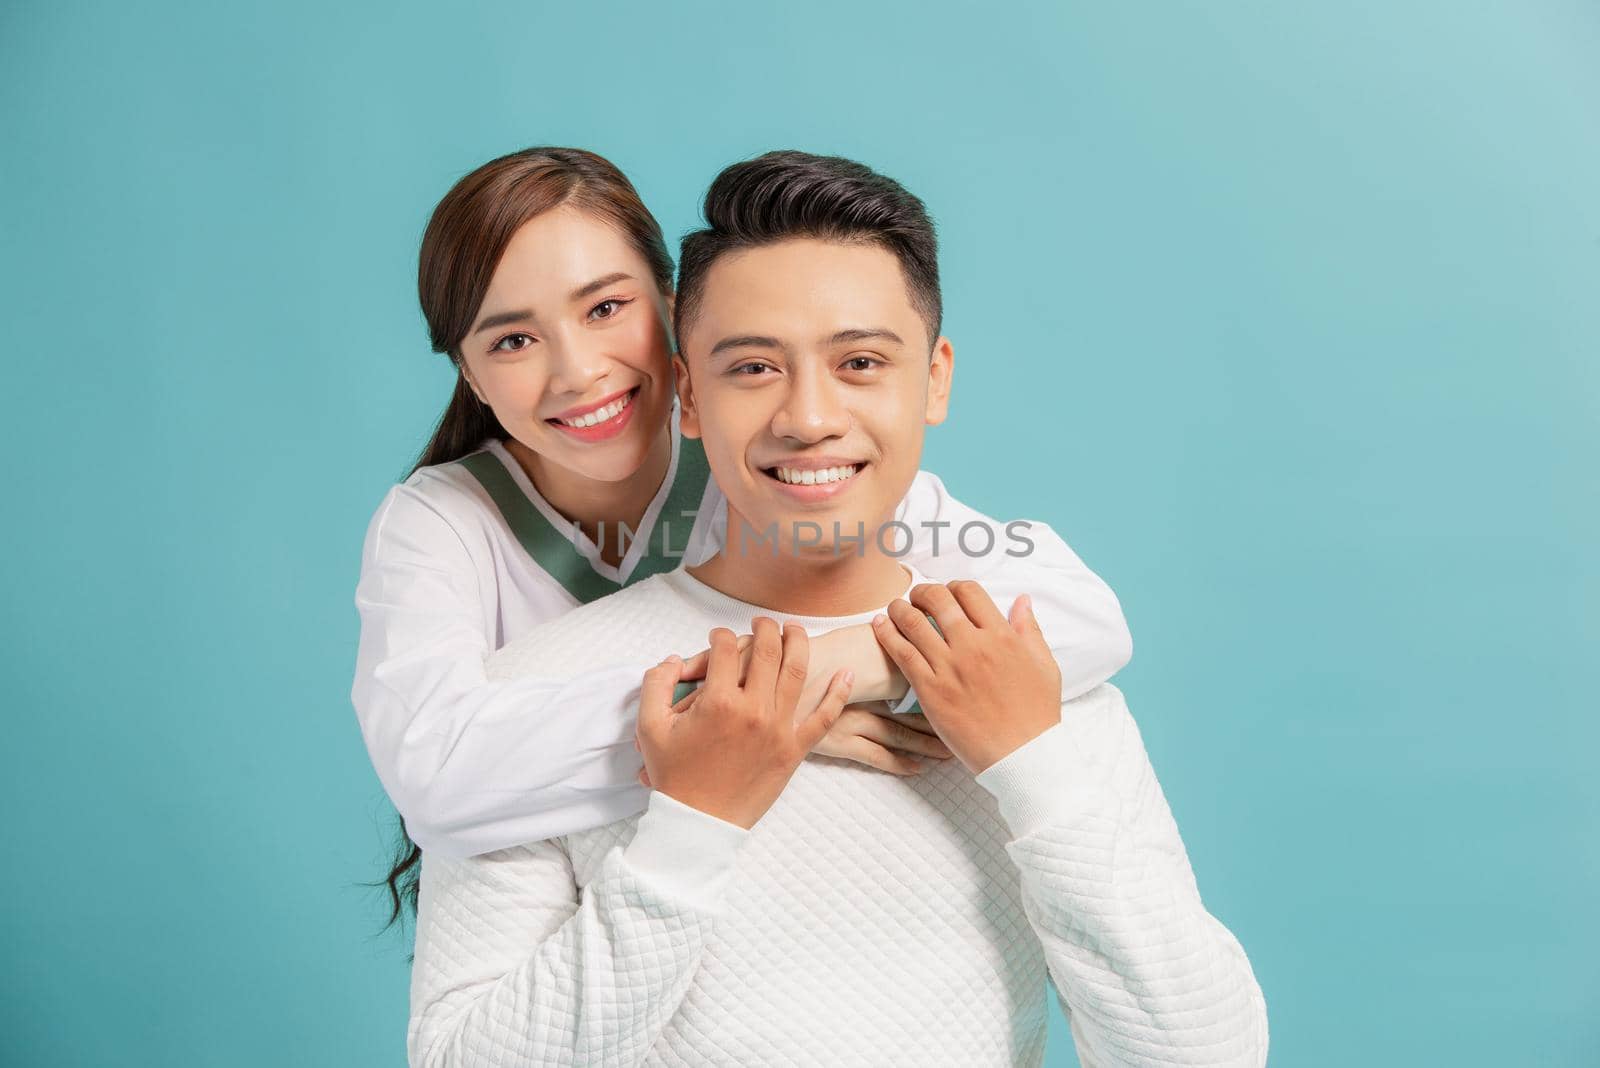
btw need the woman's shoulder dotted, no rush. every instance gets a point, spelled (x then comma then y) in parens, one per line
(438, 495)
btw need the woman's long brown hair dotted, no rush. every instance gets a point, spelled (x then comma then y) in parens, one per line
(461, 248)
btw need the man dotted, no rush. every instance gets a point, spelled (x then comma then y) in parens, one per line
(772, 909)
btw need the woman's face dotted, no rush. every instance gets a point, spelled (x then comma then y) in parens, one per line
(570, 346)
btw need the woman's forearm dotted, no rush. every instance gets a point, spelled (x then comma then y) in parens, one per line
(854, 647)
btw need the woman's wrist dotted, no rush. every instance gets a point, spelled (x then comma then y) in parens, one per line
(854, 647)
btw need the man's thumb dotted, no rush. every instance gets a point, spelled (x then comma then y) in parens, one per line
(1022, 620)
(655, 696)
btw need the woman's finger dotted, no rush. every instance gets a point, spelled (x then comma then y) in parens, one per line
(873, 755)
(891, 735)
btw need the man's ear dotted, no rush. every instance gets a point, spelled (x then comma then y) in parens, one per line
(688, 414)
(941, 369)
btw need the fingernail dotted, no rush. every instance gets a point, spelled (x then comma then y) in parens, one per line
(849, 677)
(876, 620)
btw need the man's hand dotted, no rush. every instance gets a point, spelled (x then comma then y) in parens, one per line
(732, 749)
(987, 684)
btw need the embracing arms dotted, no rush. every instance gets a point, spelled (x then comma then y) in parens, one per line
(476, 765)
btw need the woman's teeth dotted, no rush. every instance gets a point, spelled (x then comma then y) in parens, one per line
(600, 415)
(797, 477)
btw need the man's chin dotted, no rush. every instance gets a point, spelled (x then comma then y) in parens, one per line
(817, 533)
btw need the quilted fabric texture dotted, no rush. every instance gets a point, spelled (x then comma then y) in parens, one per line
(867, 919)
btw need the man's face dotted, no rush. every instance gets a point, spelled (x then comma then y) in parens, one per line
(807, 360)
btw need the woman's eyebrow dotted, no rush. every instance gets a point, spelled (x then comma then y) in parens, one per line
(501, 319)
(600, 283)
(526, 314)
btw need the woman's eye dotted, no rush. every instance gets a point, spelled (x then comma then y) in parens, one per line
(599, 310)
(505, 343)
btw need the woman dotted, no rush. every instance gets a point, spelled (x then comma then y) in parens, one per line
(557, 475)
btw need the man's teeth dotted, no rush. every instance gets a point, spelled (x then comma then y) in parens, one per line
(796, 477)
(600, 415)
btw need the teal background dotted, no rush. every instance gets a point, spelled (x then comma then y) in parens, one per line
(1285, 315)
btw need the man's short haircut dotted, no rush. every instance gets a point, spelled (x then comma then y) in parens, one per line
(785, 195)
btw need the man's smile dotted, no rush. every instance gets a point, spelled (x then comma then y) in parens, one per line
(814, 478)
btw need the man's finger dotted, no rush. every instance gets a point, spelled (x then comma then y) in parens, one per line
(723, 669)
(976, 603)
(766, 654)
(695, 667)
(811, 729)
(655, 695)
(937, 601)
(905, 655)
(793, 667)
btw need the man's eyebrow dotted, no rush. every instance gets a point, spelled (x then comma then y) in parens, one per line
(865, 333)
(752, 341)
(843, 337)
(600, 283)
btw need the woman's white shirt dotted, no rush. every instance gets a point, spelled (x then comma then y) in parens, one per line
(464, 557)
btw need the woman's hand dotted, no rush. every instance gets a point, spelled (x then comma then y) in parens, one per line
(988, 684)
(867, 734)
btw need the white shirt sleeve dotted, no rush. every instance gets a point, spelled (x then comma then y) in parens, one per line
(1079, 615)
(1146, 975)
(514, 966)
(475, 765)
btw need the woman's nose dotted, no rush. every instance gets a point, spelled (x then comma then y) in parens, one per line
(576, 365)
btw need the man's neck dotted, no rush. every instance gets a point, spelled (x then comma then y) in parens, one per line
(813, 583)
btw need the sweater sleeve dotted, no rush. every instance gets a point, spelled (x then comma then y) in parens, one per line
(452, 747)
(1145, 974)
(514, 966)
(1078, 613)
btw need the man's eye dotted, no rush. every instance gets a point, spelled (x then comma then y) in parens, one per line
(867, 361)
(744, 367)
(599, 310)
(505, 343)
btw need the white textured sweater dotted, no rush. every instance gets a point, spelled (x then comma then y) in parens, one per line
(866, 919)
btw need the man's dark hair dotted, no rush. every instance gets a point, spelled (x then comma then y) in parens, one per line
(785, 195)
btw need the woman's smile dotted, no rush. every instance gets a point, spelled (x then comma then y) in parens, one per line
(601, 422)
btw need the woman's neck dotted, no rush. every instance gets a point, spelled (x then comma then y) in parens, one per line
(590, 502)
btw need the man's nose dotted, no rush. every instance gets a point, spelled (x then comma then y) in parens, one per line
(813, 408)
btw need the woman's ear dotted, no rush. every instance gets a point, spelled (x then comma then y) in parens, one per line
(671, 299)
(466, 376)
(688, 414)
(941, 368)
